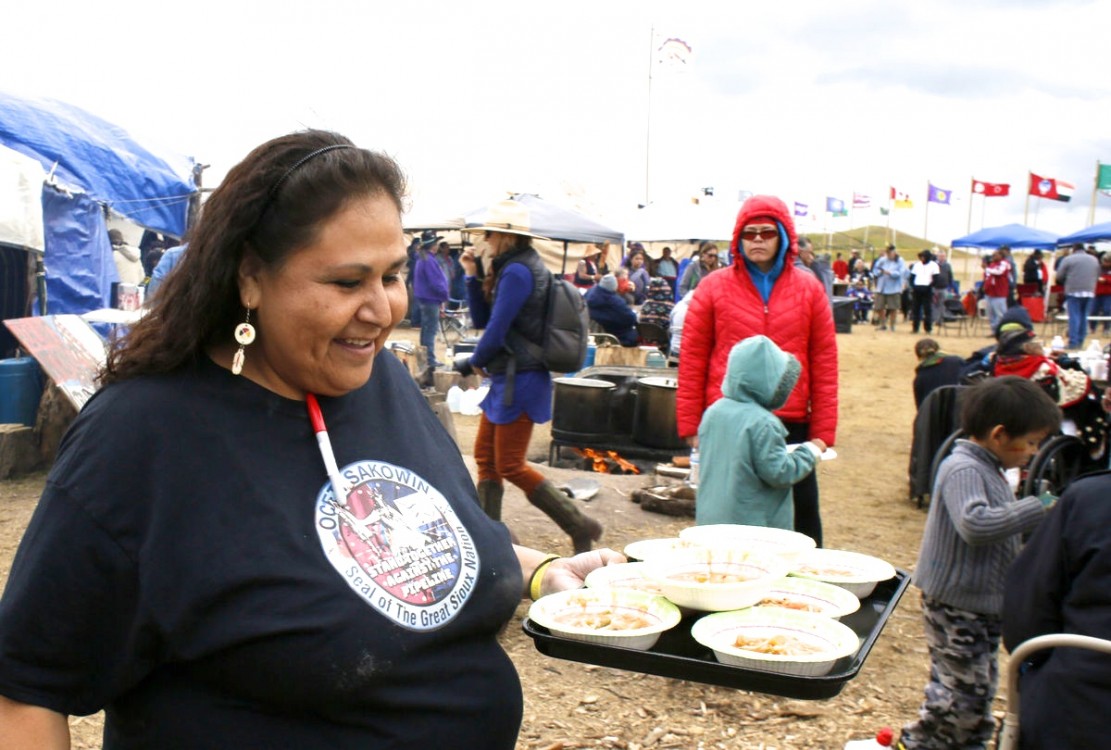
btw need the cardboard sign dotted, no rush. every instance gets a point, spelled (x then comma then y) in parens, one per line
(68, 349)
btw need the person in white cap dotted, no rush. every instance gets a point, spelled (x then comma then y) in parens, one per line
(510, 303)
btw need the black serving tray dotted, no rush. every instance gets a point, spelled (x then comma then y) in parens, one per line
(678, 655)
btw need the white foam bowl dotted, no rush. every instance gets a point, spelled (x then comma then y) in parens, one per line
(623, 576)
(747, 577)
(608, 616)
(788, 544)
(855, 572)
(654, 549)
(803, 595)
(829, 639)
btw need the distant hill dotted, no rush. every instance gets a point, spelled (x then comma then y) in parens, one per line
(878, 238)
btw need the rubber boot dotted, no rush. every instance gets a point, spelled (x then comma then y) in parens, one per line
(489, 497)
(582, 529)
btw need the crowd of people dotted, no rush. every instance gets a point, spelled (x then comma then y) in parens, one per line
(264, 349)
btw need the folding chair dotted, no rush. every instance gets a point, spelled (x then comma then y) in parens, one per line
(952, 312)
(654, 334)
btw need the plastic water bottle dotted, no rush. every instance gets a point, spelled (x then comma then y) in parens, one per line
(692, 478)
(884, 738)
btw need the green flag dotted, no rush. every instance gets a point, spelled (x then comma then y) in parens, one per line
(884, 211)
(1103, 177)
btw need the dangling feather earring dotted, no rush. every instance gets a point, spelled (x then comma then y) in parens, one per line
(244, 336)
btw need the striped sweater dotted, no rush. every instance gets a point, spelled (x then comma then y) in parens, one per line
(973, 531)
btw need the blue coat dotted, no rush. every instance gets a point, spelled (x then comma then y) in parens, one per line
(613, 313)
(746, 472)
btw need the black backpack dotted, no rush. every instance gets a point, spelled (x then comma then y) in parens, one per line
(566, 328)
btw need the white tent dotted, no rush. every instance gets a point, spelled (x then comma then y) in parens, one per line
(682, 222)
(21, 179)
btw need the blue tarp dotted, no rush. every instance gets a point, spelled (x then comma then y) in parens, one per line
(1011, 235)
(76, 241)
(100, 159)
(1094, 233)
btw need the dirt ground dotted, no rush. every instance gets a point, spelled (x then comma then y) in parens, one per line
(864, 507)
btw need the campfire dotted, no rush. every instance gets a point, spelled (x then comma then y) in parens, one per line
(606, 462)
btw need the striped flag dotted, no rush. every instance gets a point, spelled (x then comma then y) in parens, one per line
(801, 209)
(860, 200)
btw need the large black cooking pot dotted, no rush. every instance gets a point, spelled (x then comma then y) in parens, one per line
(654, 419)
(580, 409)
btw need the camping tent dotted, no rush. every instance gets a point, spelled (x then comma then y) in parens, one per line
(547, 220)
(1094, 233)
(1011, 235)
(93, 168)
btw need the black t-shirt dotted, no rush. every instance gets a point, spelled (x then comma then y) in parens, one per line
(187, 570)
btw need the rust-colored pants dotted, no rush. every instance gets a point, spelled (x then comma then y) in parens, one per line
(499, 451)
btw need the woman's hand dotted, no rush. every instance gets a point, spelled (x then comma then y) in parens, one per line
(570, 572)
(692, 441)
(820, 443)
(467, 260)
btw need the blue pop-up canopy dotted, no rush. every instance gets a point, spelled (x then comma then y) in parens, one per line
(102, 160)
(1094, 233)
(1011, 235)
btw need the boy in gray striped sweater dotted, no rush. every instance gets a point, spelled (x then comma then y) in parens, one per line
(973, 533)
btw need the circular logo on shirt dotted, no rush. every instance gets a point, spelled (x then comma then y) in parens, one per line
(397, 542)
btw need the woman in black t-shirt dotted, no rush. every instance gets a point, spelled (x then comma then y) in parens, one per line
(256, 534)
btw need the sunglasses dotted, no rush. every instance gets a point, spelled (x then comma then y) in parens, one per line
(764, 234)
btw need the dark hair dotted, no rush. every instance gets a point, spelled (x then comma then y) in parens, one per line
(272, 203)
(1019, 405)
(924, 347)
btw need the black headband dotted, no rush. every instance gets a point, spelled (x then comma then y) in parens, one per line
(311, 155)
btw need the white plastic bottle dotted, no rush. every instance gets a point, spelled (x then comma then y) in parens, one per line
(692, 478)
(885, 737)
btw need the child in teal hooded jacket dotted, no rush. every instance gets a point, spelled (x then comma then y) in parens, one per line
(746, 471)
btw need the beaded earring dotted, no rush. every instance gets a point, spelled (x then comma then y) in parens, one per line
(244, 336)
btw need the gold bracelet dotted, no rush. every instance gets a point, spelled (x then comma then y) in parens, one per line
(538, 576)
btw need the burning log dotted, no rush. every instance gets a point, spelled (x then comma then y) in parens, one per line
(606, 462)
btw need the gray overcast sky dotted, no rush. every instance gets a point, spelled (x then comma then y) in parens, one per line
(802, 98)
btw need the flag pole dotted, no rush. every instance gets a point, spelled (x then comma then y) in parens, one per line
(983, 208)
(890, 208)
(1095, 187)
(971, 193)
(1026, 211)
(648, 123)
(926, 228)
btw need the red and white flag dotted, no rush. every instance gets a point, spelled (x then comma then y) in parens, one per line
(673, 55)
(990, 189)
(1047, 187)
(860, 200)
(901, 199)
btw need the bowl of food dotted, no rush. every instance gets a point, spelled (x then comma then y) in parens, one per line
(804, 595)
(855, 572)
(788, 544)
(609, 616)
(776, 640)
(623, 576)
(714, 579)
(653, 549)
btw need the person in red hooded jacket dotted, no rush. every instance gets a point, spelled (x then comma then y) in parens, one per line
(763, 292)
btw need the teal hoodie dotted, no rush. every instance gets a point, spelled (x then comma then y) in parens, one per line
(746, 472)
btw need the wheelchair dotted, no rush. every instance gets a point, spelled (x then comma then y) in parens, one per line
(1060, 460)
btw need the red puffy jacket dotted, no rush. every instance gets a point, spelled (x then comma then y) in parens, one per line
(727, 308)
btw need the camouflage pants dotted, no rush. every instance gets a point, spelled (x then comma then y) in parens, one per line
(964, 673)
